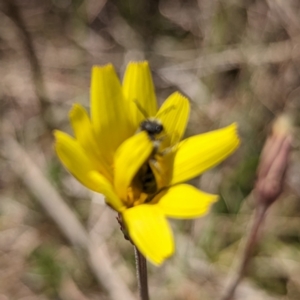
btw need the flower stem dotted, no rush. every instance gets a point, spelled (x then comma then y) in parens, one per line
(141, 274)
(250, 244)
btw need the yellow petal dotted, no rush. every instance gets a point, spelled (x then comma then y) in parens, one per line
(74, 158)
(139, 91)
(185, 201)
(105, 188)
(85, 135)
(109, 112)
(174, 114)
(129, 158)
(150, 232)
(201, 152)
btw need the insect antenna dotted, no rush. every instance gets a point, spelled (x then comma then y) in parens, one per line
(141, 109)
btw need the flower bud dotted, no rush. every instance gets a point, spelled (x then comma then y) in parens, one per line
(274, 162)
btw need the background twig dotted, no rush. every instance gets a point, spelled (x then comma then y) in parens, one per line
(46, 195)
(12, 11)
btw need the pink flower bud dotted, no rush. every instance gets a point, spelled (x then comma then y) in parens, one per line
(274, 162)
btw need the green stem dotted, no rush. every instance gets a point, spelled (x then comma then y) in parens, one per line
(141, 274)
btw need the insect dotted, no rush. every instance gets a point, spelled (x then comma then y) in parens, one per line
(147, 179)
(153, 127)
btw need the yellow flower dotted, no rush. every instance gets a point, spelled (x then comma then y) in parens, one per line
(110, 154)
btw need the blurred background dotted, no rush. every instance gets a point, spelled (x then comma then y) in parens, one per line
(237, 61)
